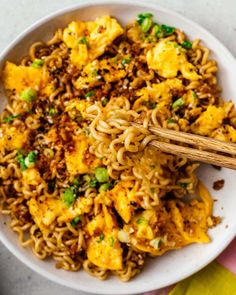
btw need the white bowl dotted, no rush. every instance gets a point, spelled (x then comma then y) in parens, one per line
(175, 265)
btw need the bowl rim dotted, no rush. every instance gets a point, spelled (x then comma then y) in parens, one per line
(91, 3)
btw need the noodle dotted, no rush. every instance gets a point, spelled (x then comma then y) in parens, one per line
(81, 184)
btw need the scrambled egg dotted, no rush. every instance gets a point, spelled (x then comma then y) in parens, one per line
(48, 210)
(105, 253)
(89, 76)
(19, 78)
(113, 66)
(80, 161)
(122, 194)
(167, 58)
(209, 120)
(160, 93)
(11, 138)
(88, 40)
(104, 249)
(31, 176)
(225, 133)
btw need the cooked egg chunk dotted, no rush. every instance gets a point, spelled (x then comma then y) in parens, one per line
(31, 176)
(105, 252)
(20, 78)
(209, 120)
(79, 160)
(122, 194)
(88, 40)
(167, 58)
(159, 93)
(46, 211)
(11, 138)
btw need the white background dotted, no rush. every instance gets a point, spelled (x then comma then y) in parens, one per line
(217, 16)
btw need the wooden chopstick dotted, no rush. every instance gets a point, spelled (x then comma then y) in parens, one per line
(195, 154)
(209, 144)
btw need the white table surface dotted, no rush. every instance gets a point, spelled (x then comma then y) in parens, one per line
(217, 16)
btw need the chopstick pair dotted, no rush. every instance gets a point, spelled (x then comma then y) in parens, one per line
(210, 146)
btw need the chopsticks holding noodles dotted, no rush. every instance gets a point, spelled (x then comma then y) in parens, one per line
(207, 154)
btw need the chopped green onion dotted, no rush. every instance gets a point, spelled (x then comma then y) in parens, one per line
(93, 183)
(89, 94)
(76, 182)
(68, 196)
(83, 40)
(105, 186)
(167, 30)
(126, 60)
(101, 237)
(75, 221)
(104, 102)
(157, 31)
(155, 243)
(142, 220)
(21, 160)
(49, 153)
(187, 44)
(146, 24)
(101, 174)
(111, 241)
(178, 103)
(31, 159)
(10, 118)
(140, 17)
(184, 184)
(194, 94)
(52, 112)
(170, 121)
(37, 63)
(28, 95)
(123, 236)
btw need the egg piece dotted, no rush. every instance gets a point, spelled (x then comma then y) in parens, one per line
(47, 210)
(89, 77)
(122, 194)
(31, 176)
(20, 78)
(96, 225)
(105, 251)
(11, 138)
(209, 120)
(167, 58)
(79, 160)
(88, 40)
(158, 93)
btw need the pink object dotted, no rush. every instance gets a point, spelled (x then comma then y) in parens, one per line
(227, 259)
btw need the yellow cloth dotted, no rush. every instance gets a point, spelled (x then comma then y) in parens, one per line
(212, 280)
